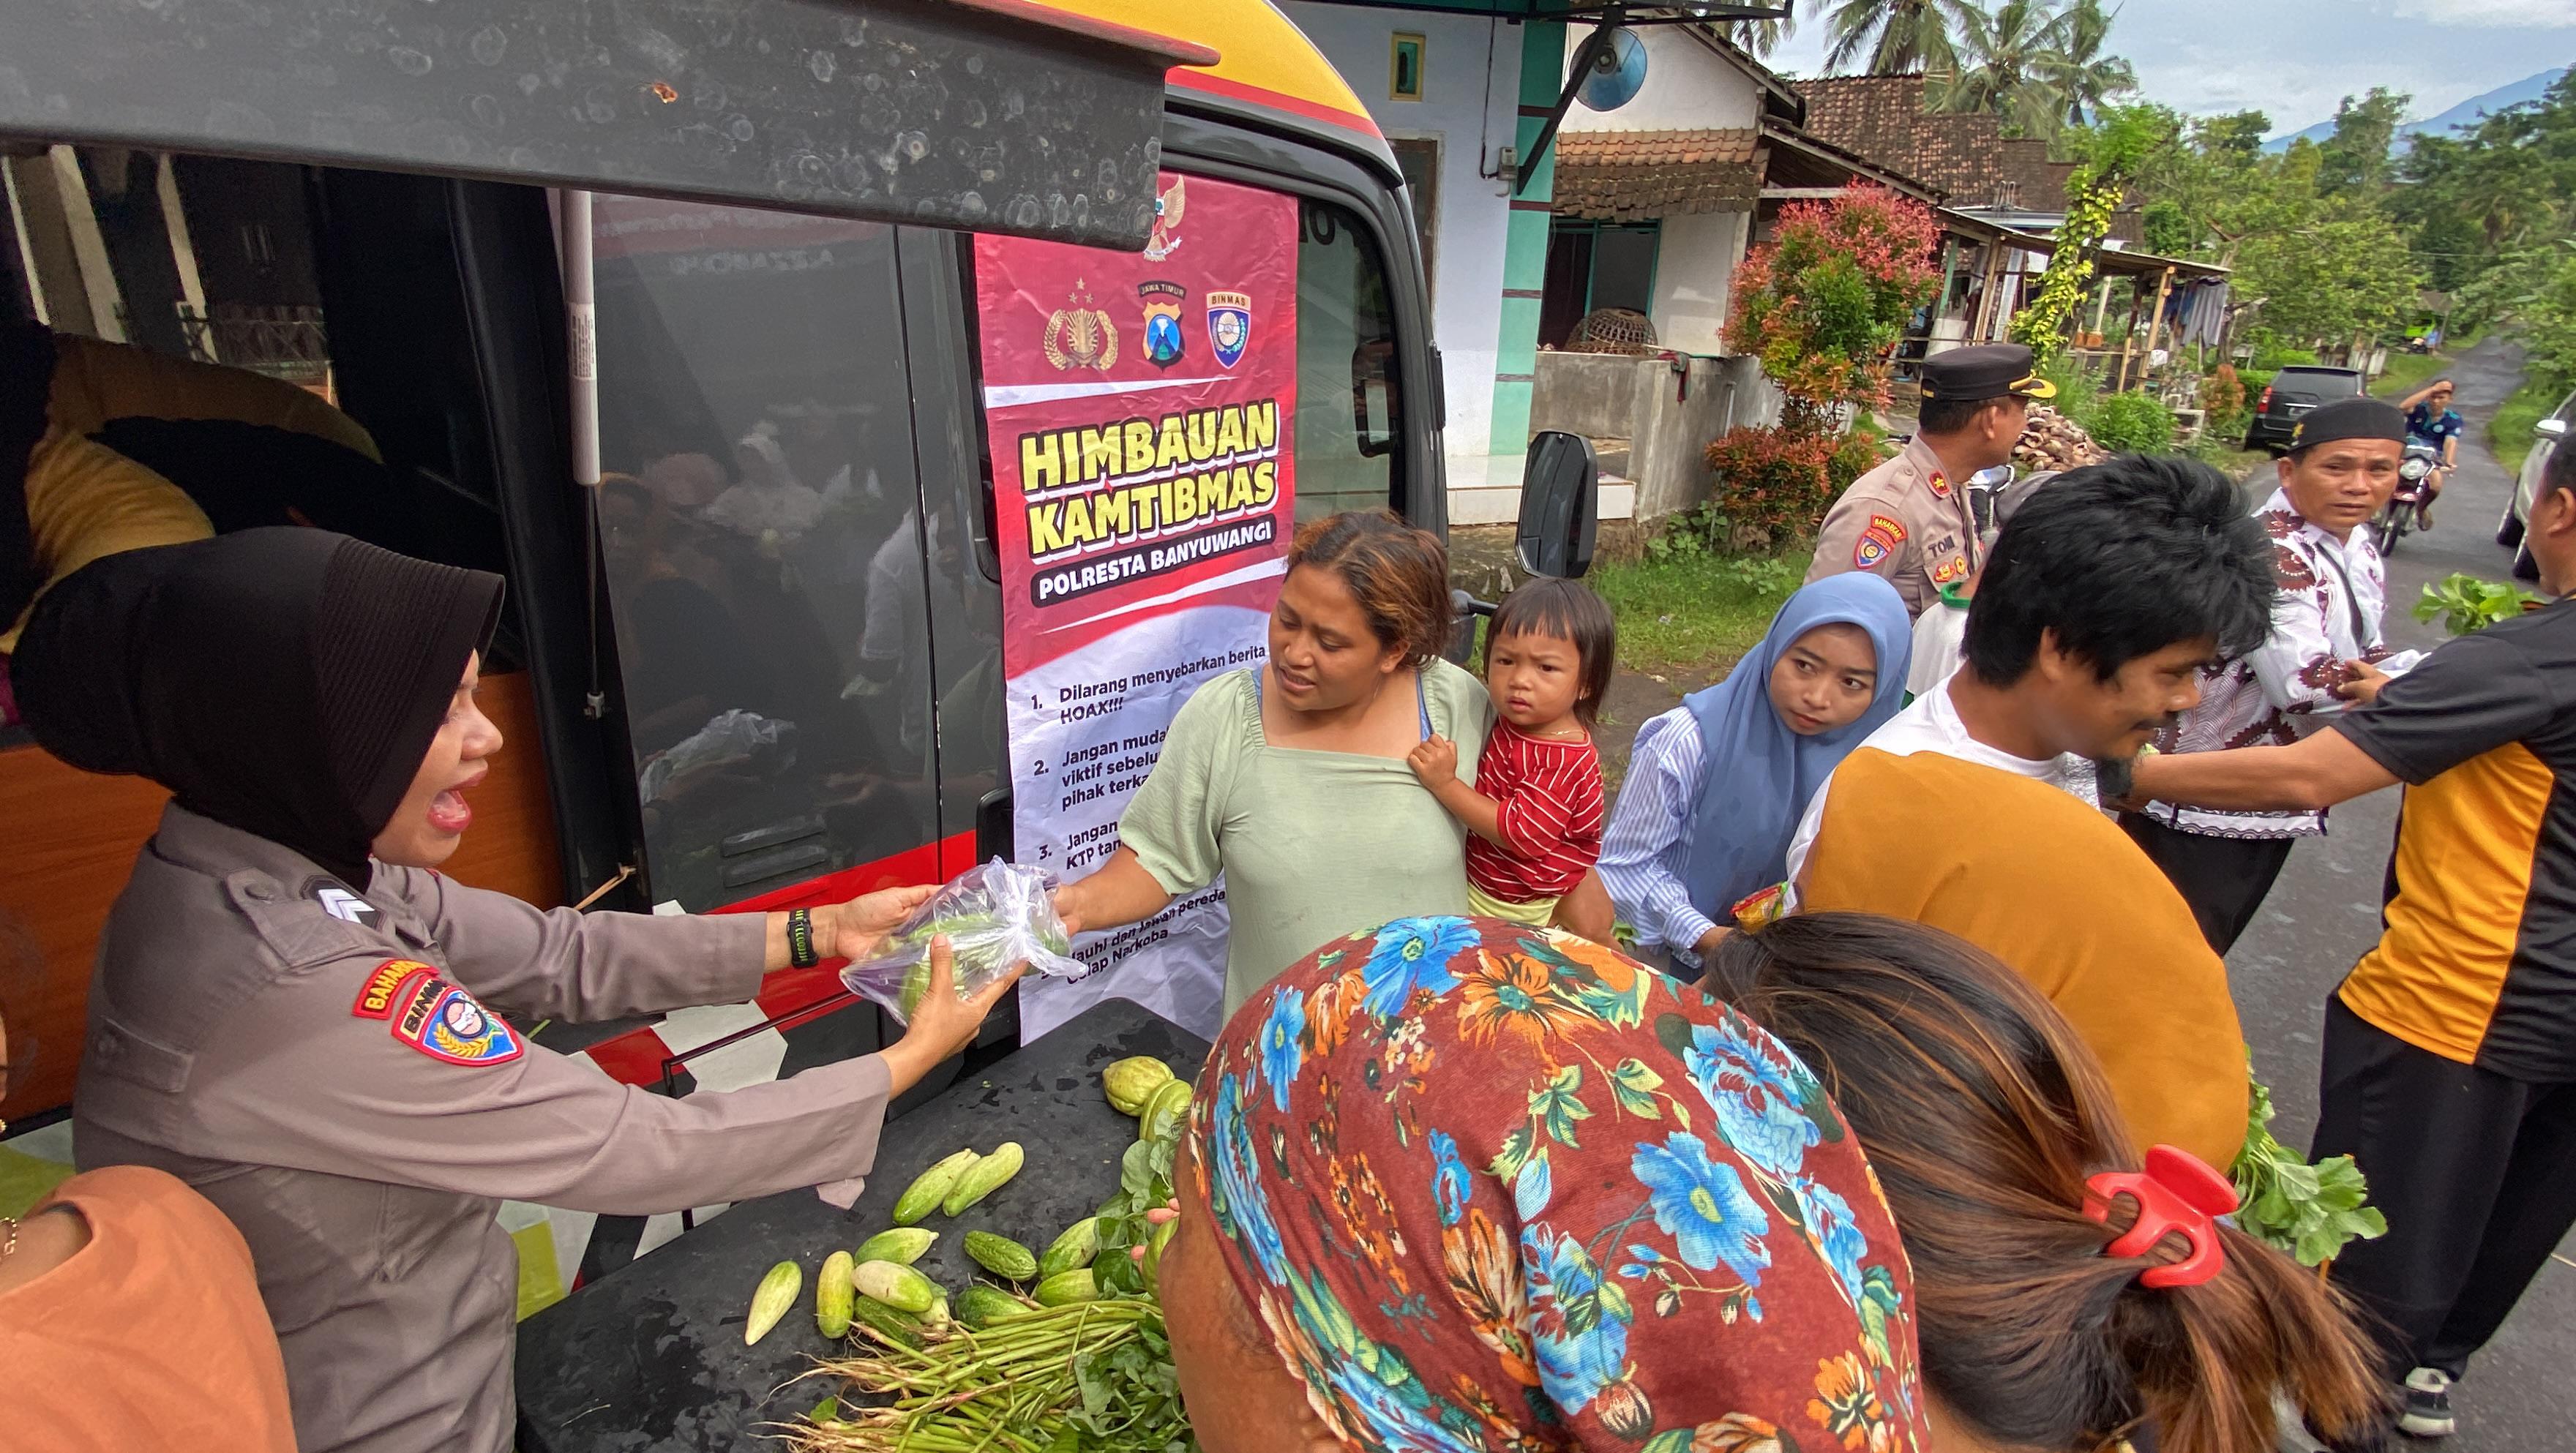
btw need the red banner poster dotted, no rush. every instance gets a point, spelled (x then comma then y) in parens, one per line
(1139, 408)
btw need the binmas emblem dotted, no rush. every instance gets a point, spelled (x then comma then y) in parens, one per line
(445, 1023)
(1229, 324)
(1079, 334)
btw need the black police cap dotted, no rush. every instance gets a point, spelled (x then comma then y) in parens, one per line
(1983, 371)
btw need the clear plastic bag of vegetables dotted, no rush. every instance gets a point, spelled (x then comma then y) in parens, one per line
(994, 916)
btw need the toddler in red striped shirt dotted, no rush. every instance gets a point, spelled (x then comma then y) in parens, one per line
(1534, 816)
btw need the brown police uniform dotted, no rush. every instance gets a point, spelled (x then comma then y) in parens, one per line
(1907, 523)
(325, 1067)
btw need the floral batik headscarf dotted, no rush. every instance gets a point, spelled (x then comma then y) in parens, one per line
(1499, 1188)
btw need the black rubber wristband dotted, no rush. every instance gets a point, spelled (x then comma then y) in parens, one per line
(800, 939)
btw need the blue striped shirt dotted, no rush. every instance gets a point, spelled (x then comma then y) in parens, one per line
(1647, 846)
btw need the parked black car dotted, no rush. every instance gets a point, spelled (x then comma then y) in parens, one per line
(2292, 392)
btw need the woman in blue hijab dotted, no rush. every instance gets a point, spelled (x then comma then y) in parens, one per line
(1716, 786)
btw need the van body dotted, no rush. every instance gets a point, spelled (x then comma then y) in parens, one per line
(756, 664)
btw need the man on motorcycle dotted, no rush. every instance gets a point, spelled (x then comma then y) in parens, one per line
(2431, 420)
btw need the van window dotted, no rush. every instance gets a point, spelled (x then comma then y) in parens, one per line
(1350, 397)
(767, 561)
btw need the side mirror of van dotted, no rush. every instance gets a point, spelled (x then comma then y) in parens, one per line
(2551, 429)
(1560, 505)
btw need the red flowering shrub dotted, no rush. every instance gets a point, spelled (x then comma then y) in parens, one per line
(1774, 485)
(1824, 303)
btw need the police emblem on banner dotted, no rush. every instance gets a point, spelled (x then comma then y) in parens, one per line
(1229, 326)
(1162, 321)
(1080, 335)
(445, 1023)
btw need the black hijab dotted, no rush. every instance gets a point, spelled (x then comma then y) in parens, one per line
(286, 682)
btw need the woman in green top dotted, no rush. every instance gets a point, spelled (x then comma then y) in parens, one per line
(1290, 778)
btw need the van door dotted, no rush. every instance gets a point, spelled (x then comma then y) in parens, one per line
(766, 555)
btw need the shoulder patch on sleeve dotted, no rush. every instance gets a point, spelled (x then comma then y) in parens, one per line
(376, 998)
(1877, 542)
(445, 1023)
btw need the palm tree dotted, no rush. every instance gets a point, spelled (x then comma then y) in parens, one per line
(2081, 78)
(1762, 37)
(2001, 57)
(1893, 37)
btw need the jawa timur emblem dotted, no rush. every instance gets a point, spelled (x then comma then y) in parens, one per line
(1080, 335)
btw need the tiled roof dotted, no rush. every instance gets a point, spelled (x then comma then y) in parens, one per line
(1617, 176)
(1963, 153)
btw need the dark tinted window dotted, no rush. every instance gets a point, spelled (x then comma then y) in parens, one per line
(1350, 404)
(767, 560)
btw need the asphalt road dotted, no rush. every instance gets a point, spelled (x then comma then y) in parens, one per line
(2324, 913)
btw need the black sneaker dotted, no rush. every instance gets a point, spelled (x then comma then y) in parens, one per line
(2428, 1405)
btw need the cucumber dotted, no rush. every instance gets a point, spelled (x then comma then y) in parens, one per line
(982, 1306)
(896, 1285)
(903, 1246)
(985, 1176)
(885, 1323)
(924, 1195)
(834, 1296)
(776, 1294)
(1002, 1256)
(1077, 1285)
(1076, 1247)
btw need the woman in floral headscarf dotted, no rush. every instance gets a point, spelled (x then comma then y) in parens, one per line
(1480, 1187)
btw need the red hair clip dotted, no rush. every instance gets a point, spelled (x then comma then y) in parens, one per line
(2177, 1193)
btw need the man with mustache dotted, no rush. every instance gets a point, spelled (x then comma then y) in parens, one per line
(1978, 808)
(2325, 653)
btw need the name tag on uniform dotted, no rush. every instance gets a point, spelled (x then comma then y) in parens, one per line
(443, 1021)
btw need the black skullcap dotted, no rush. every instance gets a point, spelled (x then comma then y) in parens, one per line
(2357, 418)
(286, 682)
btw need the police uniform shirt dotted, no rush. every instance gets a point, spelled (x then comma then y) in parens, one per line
(1905, 521)
(327, 1067)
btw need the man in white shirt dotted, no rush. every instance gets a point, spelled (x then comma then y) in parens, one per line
(2102, 602)
(2325, 652)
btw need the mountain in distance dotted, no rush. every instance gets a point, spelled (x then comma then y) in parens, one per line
(2529, 88)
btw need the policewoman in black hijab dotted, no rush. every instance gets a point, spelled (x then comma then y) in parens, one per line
(293, 1012)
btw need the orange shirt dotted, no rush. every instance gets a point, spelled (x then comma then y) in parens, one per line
(150, 1336)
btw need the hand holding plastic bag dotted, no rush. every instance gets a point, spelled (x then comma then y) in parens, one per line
(995, 917)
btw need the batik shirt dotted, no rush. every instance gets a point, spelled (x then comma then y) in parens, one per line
(2326, 612)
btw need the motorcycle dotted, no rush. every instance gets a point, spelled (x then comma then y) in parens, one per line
(2414, 487)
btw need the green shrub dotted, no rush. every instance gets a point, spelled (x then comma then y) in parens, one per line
(2273, 357)
(2132, 424)
(1772, 486)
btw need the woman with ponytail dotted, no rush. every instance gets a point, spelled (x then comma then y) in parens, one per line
(2015, 1188)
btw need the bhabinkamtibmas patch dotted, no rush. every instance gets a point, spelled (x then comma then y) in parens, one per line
(376, 998)
(443, 1022)
(1881, 537)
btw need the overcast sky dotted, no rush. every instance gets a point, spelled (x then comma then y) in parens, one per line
(2292, 59)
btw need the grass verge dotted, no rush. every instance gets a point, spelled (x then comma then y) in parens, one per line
(1693, 614)
(2509, 431)
(2408, 372)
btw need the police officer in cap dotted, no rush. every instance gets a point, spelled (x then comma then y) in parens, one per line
(294, 1014)
(1908, 521)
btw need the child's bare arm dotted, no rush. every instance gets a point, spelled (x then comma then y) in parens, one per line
(1435, 765)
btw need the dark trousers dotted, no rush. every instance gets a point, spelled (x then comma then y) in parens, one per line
(2476, 1172)
(2222, 878)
